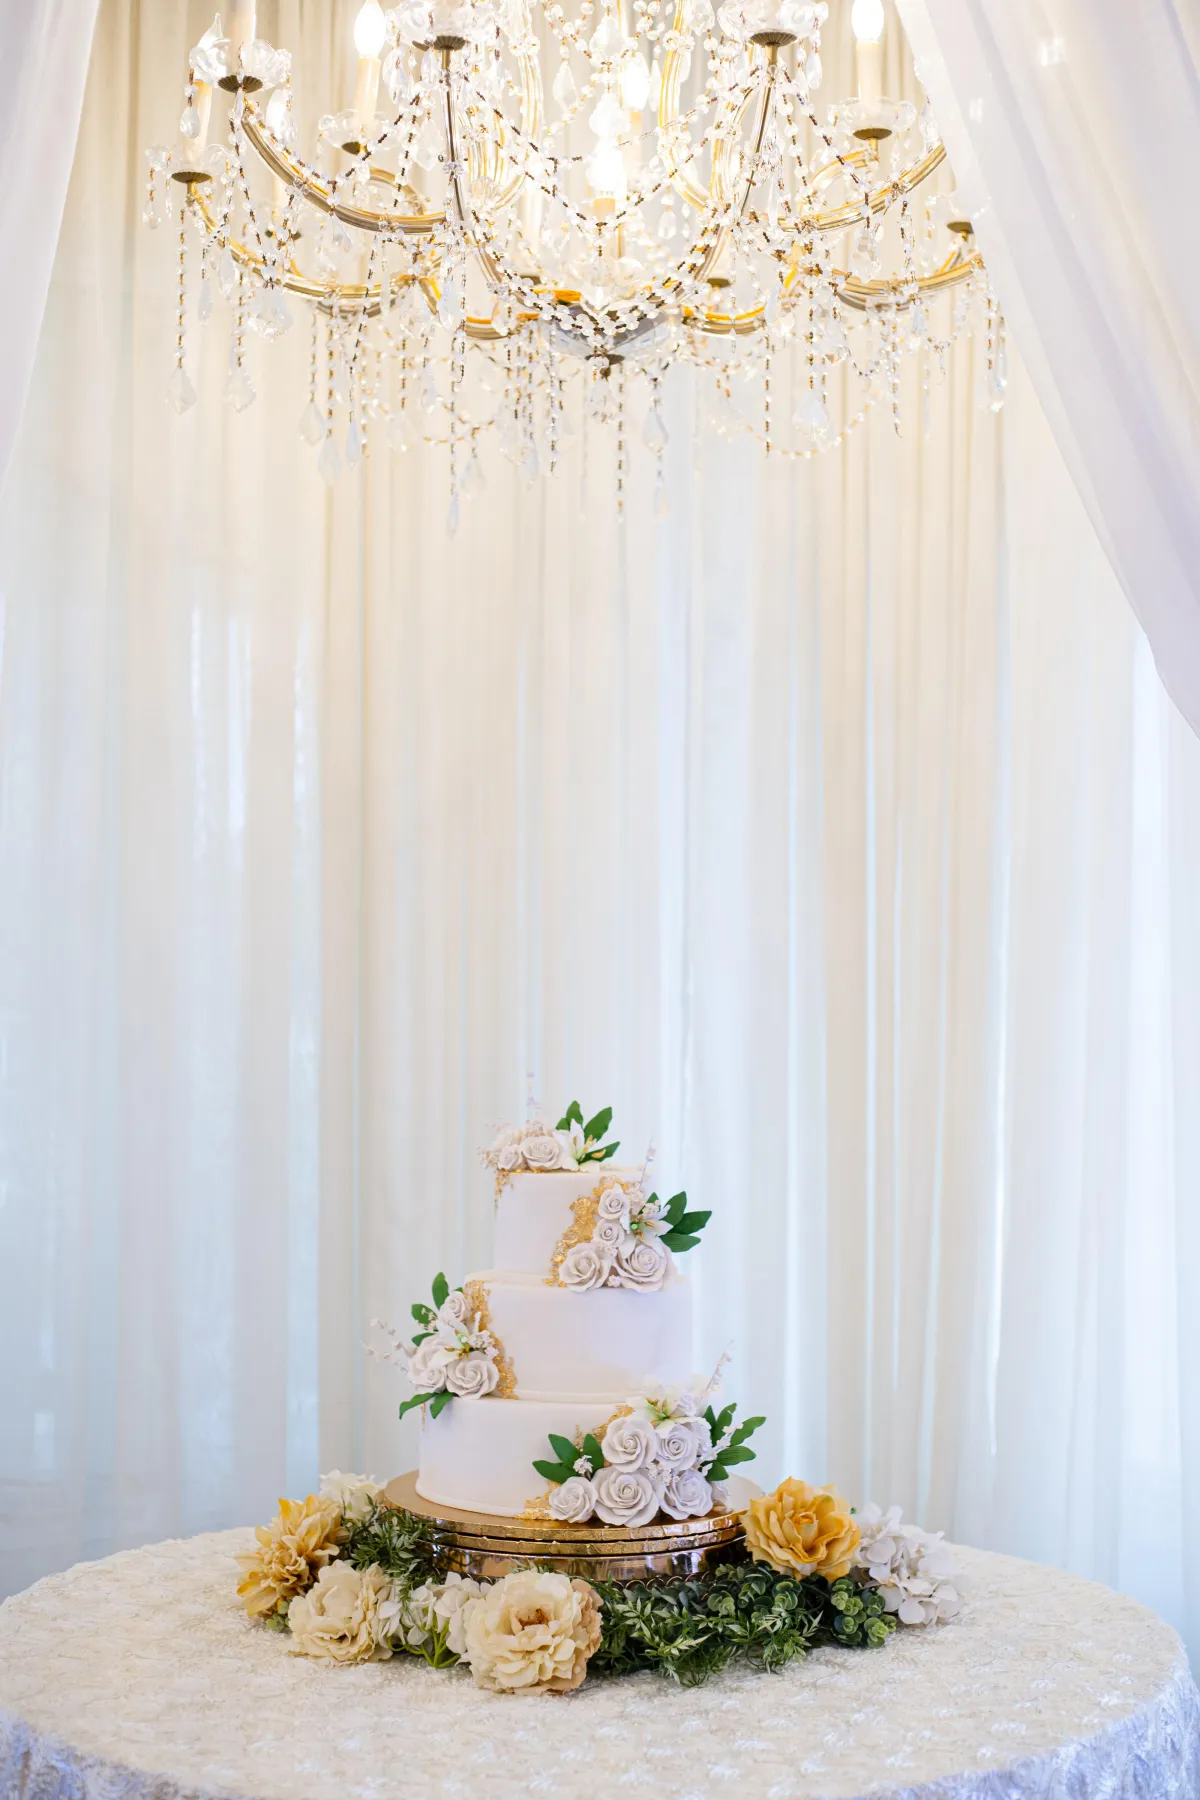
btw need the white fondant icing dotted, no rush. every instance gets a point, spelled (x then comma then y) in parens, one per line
(598, 1345)
(479, 1454)
(533, 1211)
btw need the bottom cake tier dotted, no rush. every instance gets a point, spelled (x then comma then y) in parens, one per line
(479, 1454)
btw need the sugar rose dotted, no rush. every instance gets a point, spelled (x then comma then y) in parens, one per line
(802, 1530)
(531, 1633)
(291, 1551)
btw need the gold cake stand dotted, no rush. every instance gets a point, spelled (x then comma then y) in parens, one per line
(486, 1547)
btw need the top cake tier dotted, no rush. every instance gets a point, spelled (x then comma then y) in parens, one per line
(535, 1210)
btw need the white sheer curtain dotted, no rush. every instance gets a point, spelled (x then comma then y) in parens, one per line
(1073, 126)
(835, 830)
(44, 48)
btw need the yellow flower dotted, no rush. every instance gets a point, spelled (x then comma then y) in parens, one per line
(532, 1632)
(802, 1530)
(298, 1542)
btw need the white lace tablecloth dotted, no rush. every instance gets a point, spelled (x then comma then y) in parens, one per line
(140, 1677)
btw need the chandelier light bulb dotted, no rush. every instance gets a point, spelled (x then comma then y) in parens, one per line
(370, 29)
(866, 21)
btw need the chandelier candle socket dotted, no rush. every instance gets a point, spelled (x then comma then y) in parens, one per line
(529, 215)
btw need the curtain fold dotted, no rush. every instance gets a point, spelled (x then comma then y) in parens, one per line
(1071, 127)
(44, 50)
(835, 830)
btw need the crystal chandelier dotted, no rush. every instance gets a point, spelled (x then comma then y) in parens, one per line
(478, 254)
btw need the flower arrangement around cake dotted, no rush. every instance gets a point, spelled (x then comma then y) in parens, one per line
(352, 1579)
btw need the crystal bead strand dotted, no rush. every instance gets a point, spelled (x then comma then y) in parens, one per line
(329, 462)
(182, 393)
(239, 389)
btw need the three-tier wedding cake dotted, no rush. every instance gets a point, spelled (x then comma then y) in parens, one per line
(557, 1383)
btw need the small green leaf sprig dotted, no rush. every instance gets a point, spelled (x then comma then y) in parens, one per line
(568, 1457)
(594, 1150)
(684, 1227)
(729, 1444)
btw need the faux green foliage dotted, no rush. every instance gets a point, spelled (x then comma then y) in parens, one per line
(691, 1628)
(568, 1456)
(684, 1227)
(735, 1451)
(594, 1132)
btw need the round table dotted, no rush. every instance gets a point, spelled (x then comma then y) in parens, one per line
(140, 1676)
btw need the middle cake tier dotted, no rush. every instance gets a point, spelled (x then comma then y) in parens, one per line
(600, 1345)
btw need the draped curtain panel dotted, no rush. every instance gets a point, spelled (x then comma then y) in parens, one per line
(835, 829)
(44, 49)
(1072, 126)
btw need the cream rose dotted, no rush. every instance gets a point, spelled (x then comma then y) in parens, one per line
(341, 1618)
(687, 1495)
(356, 1496)
(574, 1501)
(453, 1312)
(642, 1264)
(547, 1151)
(532, 1632)
(612, 1235)
(681, 1442)
(427, 1366)
(614, 1204)
(472, 1375)
(626, 1496)
(585, 1266)
(629, 1443)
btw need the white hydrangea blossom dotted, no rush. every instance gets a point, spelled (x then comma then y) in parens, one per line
(357, 1495)
(913, 1569)
(438, 1607)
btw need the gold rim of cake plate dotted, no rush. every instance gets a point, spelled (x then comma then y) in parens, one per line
(555, 1537)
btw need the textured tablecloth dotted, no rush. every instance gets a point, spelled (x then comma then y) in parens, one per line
(140, 1677)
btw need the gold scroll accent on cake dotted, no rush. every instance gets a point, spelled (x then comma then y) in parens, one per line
(475, 1293)
(581, 1229)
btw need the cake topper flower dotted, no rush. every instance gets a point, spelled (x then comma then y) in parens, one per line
(540, 1148)
(453, 1355)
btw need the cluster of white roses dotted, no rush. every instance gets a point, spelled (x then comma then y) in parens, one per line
(655, 1457)
(457, 1354)
(624, 1248)
(913, 1569)
(535, 1145)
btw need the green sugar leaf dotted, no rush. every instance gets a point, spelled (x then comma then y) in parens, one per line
(675, 1208)
(732, 1454)
(591, 1447)
(563, 1448)
(692, 1221)
(679, 1240)
(441, 1290)
(421, 1336)
(554, 1472)
(596, 1128)
(417, 1400)
(422, 1314)
(745, 1428)
(603, 1155)
(440, 1402)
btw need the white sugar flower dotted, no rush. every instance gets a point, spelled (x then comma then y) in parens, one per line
(585, 1266)
(913, 1569)
(548, 1150)
(683, 1442)
(612, 1235)
(626, 1496)
(427, 1366)
(453, 1310)
(574, 1501)
(473, 1375)
(687, 1495)
(615, 1203)
(357, 1495)
(583, 1465)
(643, 1265)
(661, 1404)
(629, 1443)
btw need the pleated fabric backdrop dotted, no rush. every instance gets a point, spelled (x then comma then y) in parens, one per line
(835, 830)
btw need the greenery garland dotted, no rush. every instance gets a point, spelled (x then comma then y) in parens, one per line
(684, 1627)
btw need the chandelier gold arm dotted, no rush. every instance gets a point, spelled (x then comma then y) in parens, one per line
(860, 296)
(322, 197)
